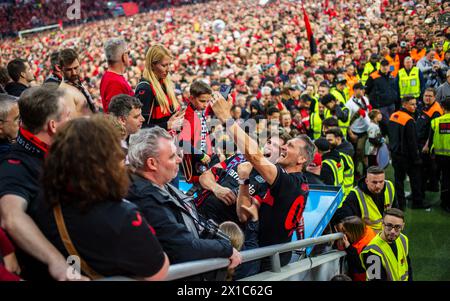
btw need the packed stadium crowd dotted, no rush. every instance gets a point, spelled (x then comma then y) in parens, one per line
(248, 103)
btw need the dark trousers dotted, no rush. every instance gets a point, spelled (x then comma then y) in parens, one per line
(429, 172)
(386, 112)
(402, 167)
(444, 164)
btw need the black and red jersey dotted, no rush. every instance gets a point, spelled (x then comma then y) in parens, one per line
(227, 176)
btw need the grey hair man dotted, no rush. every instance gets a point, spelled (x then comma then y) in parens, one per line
(153, 156)
(113, 81)
(280, 213)
(9, 122)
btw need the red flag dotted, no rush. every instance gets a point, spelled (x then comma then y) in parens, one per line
(130, 8)
(312, 42)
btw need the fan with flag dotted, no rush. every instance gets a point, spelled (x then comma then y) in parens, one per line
(311, 40)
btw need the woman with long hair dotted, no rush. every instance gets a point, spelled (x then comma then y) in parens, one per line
(357, 236)
(156, 91)
(83, 212)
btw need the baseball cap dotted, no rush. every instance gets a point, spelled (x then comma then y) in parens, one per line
(327, 99)
(340, 80)
(275, 92)
(322, 144)
(359, 85)
(294, 88)
(215, 83)
(374, 56)
(299, 58)
(384, 62)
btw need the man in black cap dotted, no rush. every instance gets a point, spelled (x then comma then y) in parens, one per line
(293, 103)
(337, 110)
(340, 90)
(332, 171)
(382, 93)
(277, 99)
(371, 66)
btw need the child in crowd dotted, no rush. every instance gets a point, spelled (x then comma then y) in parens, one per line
(375, 139)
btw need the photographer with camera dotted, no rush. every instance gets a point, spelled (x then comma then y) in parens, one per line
(179, 229)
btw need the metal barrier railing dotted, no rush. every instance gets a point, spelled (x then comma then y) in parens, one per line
(191, 268)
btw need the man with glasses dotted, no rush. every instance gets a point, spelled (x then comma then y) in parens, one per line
(9, 122)
(113, 81)
(405, 153)
(386, 257)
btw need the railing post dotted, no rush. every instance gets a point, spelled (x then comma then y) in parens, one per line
(275, 261)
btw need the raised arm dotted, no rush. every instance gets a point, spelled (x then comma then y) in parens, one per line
(246, 145)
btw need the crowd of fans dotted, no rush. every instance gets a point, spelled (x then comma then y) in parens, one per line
(395, 52)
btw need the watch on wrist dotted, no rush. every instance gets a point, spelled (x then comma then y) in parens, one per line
(244, 181)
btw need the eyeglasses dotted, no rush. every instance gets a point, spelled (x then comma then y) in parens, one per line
(390, 226)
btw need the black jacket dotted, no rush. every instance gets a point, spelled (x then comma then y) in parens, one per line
(346, 148)
(350, 206)
(5, 147)
(423, 126)
(15, 89)
(403, 140)
(326, 173)
(381, 89)
(169, 222)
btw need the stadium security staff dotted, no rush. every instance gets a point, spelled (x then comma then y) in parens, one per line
(440, 146)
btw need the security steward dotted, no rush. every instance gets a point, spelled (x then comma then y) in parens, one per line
(332, 171)
(430, 171)
(315, 119)
(440, 147)
(405, 153)
(372, 65)
(369, 198)
(409, 80)
(335, 137)
(340, 90)
(391, 250)
(338, 110)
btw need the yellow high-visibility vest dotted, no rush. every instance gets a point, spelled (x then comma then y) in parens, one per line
(441, 137)
(369, 209)
(396, 267)
(368, 69)
(409, 84)
(349, 173)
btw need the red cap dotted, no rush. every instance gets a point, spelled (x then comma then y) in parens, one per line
(317, 159)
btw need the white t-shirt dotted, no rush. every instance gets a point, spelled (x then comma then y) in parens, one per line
(373, 132)
(361, 124)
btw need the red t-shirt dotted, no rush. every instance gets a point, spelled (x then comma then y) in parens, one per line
(111, 85)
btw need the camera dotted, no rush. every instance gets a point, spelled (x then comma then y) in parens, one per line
(211, 229)
(403, 44)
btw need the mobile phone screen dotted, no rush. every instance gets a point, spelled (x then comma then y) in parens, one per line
(225, 91)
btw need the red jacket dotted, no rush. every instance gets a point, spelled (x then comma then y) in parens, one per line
(191, 140)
